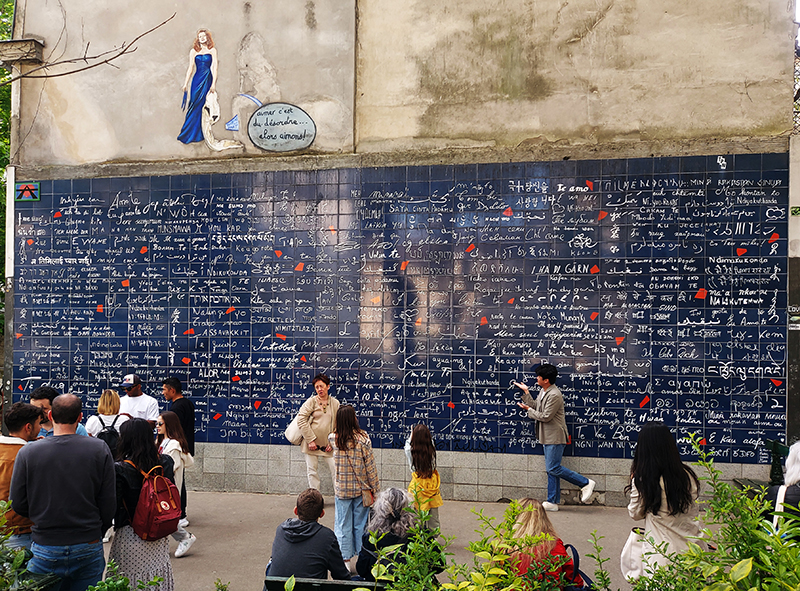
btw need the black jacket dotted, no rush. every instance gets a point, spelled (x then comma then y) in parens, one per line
(306, 549)
(129, 485)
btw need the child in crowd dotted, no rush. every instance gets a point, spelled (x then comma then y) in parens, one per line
(425, 481)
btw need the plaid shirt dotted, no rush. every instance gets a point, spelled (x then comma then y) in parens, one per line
(355, 468)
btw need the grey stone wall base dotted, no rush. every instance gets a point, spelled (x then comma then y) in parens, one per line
(481, 477)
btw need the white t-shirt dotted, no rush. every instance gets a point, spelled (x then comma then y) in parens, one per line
(96, 423)
(139, 407)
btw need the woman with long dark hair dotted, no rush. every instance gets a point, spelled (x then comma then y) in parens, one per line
(356, 478)
(138, 559)
(171, 441)
(664, 493)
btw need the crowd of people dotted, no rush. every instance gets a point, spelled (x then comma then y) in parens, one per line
(101, 469)
(72, 488)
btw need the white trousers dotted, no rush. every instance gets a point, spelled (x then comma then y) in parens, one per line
(312, 461)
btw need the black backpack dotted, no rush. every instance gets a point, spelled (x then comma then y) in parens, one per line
(110, 435)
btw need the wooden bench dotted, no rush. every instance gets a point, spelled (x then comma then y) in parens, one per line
(278, 584)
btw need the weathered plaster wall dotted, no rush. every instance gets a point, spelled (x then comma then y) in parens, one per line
(435, 74)
(300, 52)
(517, 74)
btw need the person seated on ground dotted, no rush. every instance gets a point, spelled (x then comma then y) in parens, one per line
(533, 521)
(305, 548)
(791, 479)
(391, 521)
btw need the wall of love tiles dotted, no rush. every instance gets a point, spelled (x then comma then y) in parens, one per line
(658, 287)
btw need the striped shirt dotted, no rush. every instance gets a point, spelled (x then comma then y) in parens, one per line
(355, 468)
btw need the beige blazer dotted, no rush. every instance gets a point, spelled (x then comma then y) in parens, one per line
(548, 412)
(317, 424)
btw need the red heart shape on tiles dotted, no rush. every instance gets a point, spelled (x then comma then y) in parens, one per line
(590, 184)
(229, 310)
(451, 405)
(99, 307)
(484, 321)
(508, 212)
(235, 379)
(470, 248)
(143, 250)
(773, 238)
(601, 215)
(740, 251)
(279, 253)
(19, 334)
(332, 229)
(594, 315)
(511, 301)
(57, 214)
(186, 360)
(299, 266)
(30, 241)
(702, 441)
(403, 265)
(594, 269)
(217, 416)
(701, 294)
(20, 387)
(190, 331)
(257, 403)
(303, 359)
(777, 382)
(644, 401)
(280, 336)
(619, 340)
(126, 283)
(418, 322)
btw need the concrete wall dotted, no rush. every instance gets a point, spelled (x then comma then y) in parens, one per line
(428, 75)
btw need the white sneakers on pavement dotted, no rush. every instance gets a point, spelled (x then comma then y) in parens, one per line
(586, 491)
(548, 506)
(184, 545)
(183, 523)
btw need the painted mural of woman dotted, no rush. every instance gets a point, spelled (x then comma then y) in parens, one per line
(203, 61)
(203, 110)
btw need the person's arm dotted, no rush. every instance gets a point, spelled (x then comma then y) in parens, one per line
(174, 452)
(213, 52)
(192, 54)
(636, 505)
(339, 572)
(407, 449)
(18, 493)
(552, 404)
(152, 412)
(107, 494)
(369, 463)
(304, 423)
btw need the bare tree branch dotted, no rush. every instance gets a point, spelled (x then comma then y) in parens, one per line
(105, 57)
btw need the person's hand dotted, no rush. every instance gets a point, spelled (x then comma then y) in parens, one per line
(522, 386)
(313, 445)
(329, 448)
(523, 406)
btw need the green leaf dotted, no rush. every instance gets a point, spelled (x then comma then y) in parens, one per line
(289, 585)
(478, 578)
(741, 569)
(719, 586)
(496, 571)
(485, 555)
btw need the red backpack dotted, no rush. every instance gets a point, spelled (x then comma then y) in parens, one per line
(158, 510)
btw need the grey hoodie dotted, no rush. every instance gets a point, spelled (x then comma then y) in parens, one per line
(306, 549)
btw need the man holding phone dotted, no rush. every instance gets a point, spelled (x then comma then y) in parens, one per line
(551, 431)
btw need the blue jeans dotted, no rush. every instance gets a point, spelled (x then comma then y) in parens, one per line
(555, 472)
(78, 565)
(349, 525)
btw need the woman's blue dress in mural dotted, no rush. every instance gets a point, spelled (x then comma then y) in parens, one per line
(192, 130)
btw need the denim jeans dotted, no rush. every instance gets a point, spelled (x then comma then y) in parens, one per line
(349, 525)
(78, 565)
(555, 472)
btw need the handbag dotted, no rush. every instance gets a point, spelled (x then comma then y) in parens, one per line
(576, 571)
(630, 560)
(293, 433)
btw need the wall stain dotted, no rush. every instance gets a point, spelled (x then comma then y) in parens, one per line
(311, 17)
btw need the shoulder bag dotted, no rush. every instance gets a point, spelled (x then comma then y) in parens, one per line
(293, 433)
(630, 560)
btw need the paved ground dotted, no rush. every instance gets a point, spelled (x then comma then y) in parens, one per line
(235, 531)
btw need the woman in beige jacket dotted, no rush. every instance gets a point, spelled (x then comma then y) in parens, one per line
(317, 420)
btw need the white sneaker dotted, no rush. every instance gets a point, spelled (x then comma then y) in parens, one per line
(184, 546)
(549, 506)
(586, 491)
(183, 523)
